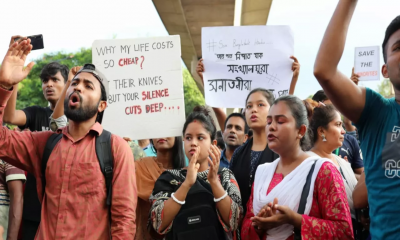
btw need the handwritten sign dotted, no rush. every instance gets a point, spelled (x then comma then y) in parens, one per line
(146, 86)
(366, 63)
(239, 59)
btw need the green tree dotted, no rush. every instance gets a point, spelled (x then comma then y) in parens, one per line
(385, 87)
(192, 94)
(30, 89)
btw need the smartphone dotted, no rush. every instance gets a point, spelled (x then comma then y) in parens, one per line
(36, 41)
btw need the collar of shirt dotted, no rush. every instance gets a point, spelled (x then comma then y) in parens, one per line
(224, 161)
(148, 146)
(96, 128)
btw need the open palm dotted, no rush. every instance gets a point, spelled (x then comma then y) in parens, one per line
(12, 69)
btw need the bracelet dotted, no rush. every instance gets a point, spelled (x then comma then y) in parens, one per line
(176, 200)
(221, 198)
(5, 88)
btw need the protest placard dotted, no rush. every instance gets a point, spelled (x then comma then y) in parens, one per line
(239, 59)
(366, 63)
(146, 86)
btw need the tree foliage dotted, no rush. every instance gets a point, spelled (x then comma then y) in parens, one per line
(30, 89)
(385, 88)
(193, 96)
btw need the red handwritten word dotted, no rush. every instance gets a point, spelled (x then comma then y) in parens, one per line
(127, 61)
(155, 94)
(133, 110)
(370, 73)
(155, 107)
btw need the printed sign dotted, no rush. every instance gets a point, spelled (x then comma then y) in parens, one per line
(366, 63)
(146, 86)
(239, 59)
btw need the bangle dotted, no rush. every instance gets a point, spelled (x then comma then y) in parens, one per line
(6, 88)
(176, 200)
(221, 198)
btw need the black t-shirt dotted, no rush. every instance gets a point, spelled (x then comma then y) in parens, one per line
(352, 151)
(37, 119)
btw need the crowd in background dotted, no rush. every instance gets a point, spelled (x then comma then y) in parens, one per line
(319, 168)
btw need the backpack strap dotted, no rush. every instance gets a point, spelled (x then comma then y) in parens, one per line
(303, 199)
(104, 155)
(50, 144)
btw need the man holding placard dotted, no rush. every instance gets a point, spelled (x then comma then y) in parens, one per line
(74, 199)
(376, 118)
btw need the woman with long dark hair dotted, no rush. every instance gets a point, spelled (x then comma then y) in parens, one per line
(255, 151)
(327, 136)
(282, 205)
(148, 170)
(202, 201)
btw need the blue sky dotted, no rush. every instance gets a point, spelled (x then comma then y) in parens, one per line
(70, 25)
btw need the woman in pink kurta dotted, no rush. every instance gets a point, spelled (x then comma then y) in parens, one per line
(329, 214)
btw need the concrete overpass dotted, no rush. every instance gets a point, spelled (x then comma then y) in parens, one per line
(187, 17)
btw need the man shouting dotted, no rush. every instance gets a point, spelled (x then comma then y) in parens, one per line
(75, 195)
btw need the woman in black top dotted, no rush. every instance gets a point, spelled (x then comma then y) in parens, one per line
(255, 151)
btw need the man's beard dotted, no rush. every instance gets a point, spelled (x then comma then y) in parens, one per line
(81, 113)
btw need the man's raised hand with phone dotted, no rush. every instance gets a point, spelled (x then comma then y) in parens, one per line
(12, 69)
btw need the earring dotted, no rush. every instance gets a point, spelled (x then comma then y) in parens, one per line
(323, 138)
(300, 136)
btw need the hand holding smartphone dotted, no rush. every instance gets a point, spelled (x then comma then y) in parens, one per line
(36, 41)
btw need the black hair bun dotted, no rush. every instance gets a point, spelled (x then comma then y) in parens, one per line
(202, 109)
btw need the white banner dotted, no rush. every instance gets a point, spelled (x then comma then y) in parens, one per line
(146, 86)
(239, 59)
(366, 63)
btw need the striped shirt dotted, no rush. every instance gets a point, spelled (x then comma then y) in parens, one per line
(8, 173)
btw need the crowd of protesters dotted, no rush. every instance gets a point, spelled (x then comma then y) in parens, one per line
(286, 168)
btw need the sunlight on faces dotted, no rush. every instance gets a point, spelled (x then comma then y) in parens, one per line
(164, 143)
(334, 134)
(197, 136)
(82, 100)
(52, 87)
(281, 123)
(391, 69)
(257, 105)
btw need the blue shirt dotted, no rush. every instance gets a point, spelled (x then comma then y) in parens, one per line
(379, 131)
(149, 151)
(186, 158)
(224, 162)
(352, 151)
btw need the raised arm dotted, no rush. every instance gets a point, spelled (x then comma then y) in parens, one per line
(20, 149)
(347, 123)
(296, 72)
(344, 94)
(59, 109)
(58, 119)
(11, 115)
(219, 113)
